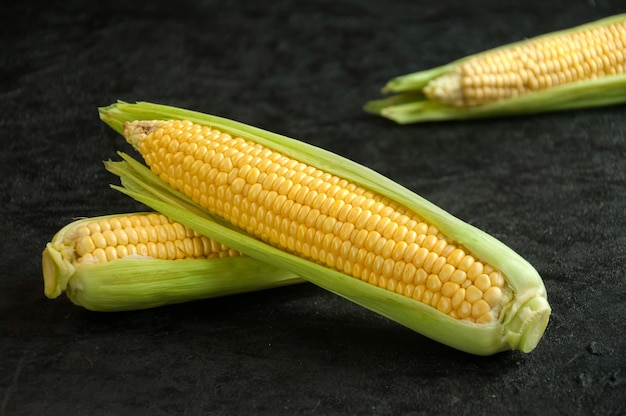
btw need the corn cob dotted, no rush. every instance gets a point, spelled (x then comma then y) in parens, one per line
(336, 224)
(579, 67)
(143, 260)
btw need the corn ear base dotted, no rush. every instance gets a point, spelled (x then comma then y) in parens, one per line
(522, 323)
(136, 282)
(409, 104)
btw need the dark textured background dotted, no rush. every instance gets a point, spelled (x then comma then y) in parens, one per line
(551, 186)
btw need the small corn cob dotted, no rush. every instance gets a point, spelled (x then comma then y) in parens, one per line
(579, 67)
(336, 224)
(143, 260)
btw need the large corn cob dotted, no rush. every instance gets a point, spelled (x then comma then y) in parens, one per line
(143, 260)
(337, 224)
(579, 67)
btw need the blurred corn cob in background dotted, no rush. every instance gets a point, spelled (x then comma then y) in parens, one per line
(578, 67)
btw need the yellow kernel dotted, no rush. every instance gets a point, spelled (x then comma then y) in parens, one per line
(380, 244)
(311, 198)
(311, 218)
(131, 235)
(409, 272)
(482, 282)
(365, 275)
(336, 207)
(449, 289)
(410, 252)
(455, 257)
(446, 272)
(122, 251)
(496, 279)
(377, 265)
(100, 255)
(398, 270)
(399, 250)
(427, 297)
(98, 240)
(104, 225)
(115, 223)
(458, 298)
(493, 296)
(458, 277)
(345, 231)
(418, 292)
(390, 229)
(439, 246)
(368, 261)
(430, 261)
(420, 256)
(480, 308)
(400, 287)
(170, 250)
(121, 238)
(433, 283)
(411, 237)
(473, 294)
(466, 263)
(152, 249)
(85, 245)
(432, 230)
(360, 256)
(408, 290)
(388, 267)
(328, 224)
(142, 234)
(362, 218)
(82, 231)
(371, 240)
(474, 270)
(162, 233)
(420, 277)
(438, 265)
(434, 300)
(372, 222)
(444, 305)
(343, 212)
(464, 310)
(382, 281)
(238, 184)
(126, 222)
(388, 248)
(400, 234)
(429, 242)
(111, 253)
(354, 214)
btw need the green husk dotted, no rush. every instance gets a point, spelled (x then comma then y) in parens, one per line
(410, 105)
(134, 282)
(522, 322)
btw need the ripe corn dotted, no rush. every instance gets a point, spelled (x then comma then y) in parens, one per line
(142, 260)
(338, 225)
(321, 217)
(581, 66)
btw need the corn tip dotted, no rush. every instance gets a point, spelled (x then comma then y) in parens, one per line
(56, 272)
(529, 324)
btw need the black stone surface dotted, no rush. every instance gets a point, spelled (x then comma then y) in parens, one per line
(552, 186)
